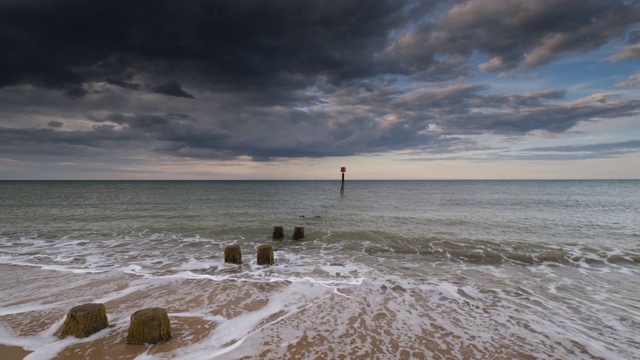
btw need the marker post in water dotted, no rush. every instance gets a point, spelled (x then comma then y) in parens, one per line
(342, 170)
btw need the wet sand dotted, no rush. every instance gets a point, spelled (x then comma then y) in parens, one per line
(489, 270)
(12, 352)
(232, 319)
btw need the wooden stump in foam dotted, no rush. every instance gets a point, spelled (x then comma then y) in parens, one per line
(233, 254)
(298, 233)
(278, 232)
(84, 320)
(265, 255)
(149, 326)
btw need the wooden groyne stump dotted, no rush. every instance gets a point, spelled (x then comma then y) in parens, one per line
(278, 232)
(233, 254)
(84, 320)
(149, 326)
(298, 233)
(265, 255)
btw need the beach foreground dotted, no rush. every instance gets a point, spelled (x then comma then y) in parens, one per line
(331, 311)
(230, 318)
(422, 270)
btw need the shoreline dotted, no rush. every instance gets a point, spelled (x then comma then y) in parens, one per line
(433, 310)
(230, 318)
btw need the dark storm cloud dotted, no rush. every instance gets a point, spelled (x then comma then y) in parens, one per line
(517, 33)
(551, 118)
(76, 92)
(172, 88)
(48, 142)
(123, 84)
(56, 43)
(301, 135)
(424, 122)
(249, 43)
(55, 124)
(466, 109)
(158, 129)
(633, 37)
(287, 78)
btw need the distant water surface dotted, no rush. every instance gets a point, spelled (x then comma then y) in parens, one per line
(480, 265)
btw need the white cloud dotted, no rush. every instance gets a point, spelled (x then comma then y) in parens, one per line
(627, 53)
(633, 80)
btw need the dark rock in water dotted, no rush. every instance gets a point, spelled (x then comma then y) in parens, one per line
(84, 320)
(149, 326)
(298, 233)
(265, 255)
(399, 288)
(233, 254)
(278, 232)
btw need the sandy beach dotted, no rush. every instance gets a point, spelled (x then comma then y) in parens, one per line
(233, 319)
(410, 270)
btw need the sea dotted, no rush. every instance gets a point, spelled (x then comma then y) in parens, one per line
(388, 270)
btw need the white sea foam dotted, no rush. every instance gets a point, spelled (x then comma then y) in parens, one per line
(20, 309)
(231, 333)
(48, 347)
(193, 264)
(321, 289)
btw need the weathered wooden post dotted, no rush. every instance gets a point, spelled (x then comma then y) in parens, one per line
(84, 320)
(149, 326)
(298, 233)
(265, 255)
(342, 170)
(233, 254)
(278, 233)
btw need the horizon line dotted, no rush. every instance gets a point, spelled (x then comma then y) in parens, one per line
(488, 179)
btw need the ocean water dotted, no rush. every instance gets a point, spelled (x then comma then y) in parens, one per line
(392, 269)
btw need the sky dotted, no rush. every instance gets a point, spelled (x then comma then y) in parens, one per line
(295, 89)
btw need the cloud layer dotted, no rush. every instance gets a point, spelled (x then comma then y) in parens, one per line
(290, 79)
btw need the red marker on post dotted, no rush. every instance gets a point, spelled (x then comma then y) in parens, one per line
(342, 170)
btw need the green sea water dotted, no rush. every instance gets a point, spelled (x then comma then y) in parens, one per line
(563, 257)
